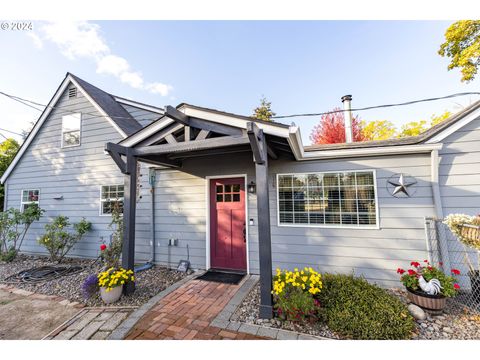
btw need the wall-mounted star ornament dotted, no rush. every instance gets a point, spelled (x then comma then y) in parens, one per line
(401, 185)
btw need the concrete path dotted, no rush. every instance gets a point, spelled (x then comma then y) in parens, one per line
(187, 313)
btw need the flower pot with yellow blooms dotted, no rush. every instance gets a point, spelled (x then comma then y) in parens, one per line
(111, 283)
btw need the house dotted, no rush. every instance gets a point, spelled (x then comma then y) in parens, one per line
(230, 192)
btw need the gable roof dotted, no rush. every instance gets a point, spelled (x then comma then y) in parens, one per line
(120, 119)
(112, 108)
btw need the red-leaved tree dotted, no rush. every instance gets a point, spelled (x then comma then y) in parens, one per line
(331, 129)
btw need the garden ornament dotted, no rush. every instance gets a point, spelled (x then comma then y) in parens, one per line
(431, 287)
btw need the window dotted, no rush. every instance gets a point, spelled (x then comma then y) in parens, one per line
(228, 193)
(71, 130)
(110, 195)
(327, 199)
(29, 197)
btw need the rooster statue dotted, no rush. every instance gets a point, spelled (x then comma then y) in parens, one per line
(431, 287)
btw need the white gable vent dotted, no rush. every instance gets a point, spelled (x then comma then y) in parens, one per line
(72, 92)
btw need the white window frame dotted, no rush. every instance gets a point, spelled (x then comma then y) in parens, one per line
(333, 226)
(79, 130)
(23, 203)
(100, 210)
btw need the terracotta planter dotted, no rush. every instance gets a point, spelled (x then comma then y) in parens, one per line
(428, 302)
(112, 295)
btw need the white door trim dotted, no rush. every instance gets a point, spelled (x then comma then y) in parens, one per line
(207, 213)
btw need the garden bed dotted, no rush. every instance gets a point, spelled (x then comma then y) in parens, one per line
(455, 323)
(148, 283)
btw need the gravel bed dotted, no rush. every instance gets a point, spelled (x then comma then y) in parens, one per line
(148, 283)
(456, 322)
(247, 312)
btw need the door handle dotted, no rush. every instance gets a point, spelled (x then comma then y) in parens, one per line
(244, 233)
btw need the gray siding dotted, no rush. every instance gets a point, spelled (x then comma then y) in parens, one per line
(144, 117)
(373, 253)
(459, 172)
(76, 173)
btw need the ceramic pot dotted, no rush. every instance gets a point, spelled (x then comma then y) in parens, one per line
(112, 295)
(428, 302)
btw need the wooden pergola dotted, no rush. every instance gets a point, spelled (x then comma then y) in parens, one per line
(190, 137)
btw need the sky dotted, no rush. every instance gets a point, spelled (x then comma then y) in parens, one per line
(300, 66)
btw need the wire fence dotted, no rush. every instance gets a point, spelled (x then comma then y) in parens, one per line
(447, 252)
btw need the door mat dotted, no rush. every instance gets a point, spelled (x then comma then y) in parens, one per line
(222, 277)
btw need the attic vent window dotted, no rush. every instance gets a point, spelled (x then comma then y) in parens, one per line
(72, 92)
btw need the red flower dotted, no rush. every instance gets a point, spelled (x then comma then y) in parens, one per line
(425, 261)
(455, 272)
(415, 263)
(411, 272)
(440, 263)
(456, 286)
(103, 247)
(400, 271)
(429, 267)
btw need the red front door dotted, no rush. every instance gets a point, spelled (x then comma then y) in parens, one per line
(227, 224)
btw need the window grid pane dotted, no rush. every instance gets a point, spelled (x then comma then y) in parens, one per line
(345, 198)
(110, 195)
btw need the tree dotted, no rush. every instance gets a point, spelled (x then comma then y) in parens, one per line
(8, 150)
(378, 130)
(413, 128)
(462, 46)
(264, 111)
(331, 129)
(438, 119)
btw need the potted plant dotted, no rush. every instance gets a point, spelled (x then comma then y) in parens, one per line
(467, 229)
(427, 286)
(111, 283)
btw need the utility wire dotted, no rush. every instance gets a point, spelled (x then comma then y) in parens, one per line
(378, 106)
(9, 131)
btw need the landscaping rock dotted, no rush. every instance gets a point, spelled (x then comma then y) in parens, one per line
(417, 312)
(148, 283)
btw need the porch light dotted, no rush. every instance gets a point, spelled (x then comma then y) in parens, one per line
(252, 188)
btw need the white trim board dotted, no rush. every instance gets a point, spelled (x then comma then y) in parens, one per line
(46, 112)
(454, 127)
(138, 105)
(207, 216)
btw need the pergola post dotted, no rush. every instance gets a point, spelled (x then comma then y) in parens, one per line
(129, 210)
(260, 155)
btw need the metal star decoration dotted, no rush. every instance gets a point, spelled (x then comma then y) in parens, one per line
(401, 185)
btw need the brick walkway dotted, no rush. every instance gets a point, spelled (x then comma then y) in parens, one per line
(187, 314)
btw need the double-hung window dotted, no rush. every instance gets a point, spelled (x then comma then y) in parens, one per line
(29, 197)
(71, 124)
(328, 199)
(110, 196)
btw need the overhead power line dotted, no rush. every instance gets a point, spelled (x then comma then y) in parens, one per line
(378, 106)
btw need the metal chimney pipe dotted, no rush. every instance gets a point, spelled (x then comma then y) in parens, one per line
(347, 114)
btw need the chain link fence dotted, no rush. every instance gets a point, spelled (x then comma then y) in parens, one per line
(447, 252)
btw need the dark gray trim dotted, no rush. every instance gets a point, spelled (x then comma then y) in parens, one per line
(214, 143)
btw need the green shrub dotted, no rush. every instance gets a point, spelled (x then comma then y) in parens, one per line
(58, 240)
(14, 225)
(111, 253)
(357, 309)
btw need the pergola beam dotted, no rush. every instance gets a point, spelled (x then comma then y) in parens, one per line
(176, 115)
(214, 143)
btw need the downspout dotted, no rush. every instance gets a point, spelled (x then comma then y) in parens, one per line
(437, 202)
(151, 181)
